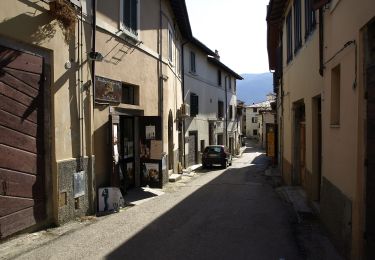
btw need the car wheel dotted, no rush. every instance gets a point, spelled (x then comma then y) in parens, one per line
(224, 164)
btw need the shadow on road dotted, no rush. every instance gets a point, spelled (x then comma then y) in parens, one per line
(235, 216)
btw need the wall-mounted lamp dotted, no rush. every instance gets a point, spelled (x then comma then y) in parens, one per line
(95, 56)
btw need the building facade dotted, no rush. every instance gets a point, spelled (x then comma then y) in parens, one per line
(210, 92)
(89, 97)
(322, 56)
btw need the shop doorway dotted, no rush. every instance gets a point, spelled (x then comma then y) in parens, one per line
(127, 156)
(370, 143)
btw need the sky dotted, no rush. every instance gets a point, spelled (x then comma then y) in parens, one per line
(236, 28)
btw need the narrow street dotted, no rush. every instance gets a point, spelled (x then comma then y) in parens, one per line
(216, 214)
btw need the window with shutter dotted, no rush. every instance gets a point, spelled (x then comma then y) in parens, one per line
(129, 16)
(194, 105)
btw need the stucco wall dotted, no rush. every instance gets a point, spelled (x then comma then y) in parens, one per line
(301, 82)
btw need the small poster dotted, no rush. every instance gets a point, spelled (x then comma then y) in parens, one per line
(150, 132)
(156, 149)
(151, 172)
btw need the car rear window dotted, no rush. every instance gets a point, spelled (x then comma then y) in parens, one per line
(213, 149)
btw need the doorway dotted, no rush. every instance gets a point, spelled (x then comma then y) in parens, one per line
(22, 140)
(299, 144)
(370, 142)
(317, 147)
(193, 148)
(127, 160)
(170, 141)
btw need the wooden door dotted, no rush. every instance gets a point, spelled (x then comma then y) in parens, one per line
(22, 202)
(370, 176)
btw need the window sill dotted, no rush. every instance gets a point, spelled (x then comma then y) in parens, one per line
(129, 36)
(334, 125)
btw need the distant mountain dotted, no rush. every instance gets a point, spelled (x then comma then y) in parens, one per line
(254, 87)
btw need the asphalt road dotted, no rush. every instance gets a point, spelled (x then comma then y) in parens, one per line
(217, 214)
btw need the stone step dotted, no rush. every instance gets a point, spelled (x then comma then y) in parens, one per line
(174, 177)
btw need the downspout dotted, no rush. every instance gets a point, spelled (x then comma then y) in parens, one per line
(226, 112)
(93, 49)
(321, 42)
(183, 99)
(160, 76)
(79, 84)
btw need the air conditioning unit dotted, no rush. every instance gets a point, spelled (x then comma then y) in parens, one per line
(185, 110)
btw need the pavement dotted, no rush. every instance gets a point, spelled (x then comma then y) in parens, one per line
(232, 213)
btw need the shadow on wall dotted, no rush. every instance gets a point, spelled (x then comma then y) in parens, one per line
(216, 223)
(40, 28)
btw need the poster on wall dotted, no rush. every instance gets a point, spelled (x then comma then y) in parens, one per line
(156, 149)
(150, 172)
(150, 132)
(107, 90)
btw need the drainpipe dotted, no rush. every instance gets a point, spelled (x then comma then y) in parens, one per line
(93, 49)
(160, 76)
(183, 99)
(321, 42)
(226, 112)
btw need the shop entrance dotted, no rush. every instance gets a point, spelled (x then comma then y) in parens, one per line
(127, 158)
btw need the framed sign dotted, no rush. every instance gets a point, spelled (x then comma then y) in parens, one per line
(107, 90)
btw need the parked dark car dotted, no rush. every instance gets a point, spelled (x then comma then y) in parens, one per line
(216, 154)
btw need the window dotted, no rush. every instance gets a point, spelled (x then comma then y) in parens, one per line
(335, 95)
(289, 43)
(255, 109)
(178, 61)
(255, 132)
(220, 109)
(297, 25)
(192, 62)
(219, 77)
(230, 82)
(194, 104)
(230, 111)
(310, 20)
(170, 45)
(254, 120)
(129, 16)
(235, 86)
(130, 94)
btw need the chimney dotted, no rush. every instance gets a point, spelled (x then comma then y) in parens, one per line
(217, 55)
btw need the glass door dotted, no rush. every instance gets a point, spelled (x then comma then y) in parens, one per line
(127, 153)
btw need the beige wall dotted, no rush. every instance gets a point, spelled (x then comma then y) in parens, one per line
(344, 144)
(29, 24)
(137, 64)
(301, 82)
